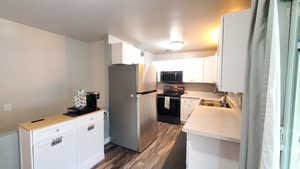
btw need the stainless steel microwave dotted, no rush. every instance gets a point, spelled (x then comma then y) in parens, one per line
(171, 76)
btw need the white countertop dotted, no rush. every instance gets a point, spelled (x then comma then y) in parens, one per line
(213, 122)
(202, 95)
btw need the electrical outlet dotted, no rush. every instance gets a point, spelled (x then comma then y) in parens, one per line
(7, 107)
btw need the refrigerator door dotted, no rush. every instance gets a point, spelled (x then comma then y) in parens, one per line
(146, 77)
(123, 106)
(147, 119)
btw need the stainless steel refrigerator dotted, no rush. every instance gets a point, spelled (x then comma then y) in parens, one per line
(132, 105)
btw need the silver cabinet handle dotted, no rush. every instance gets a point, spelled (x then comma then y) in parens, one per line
(91, 127)
(56, 141)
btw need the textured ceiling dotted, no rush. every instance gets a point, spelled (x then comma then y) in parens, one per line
(144, 23)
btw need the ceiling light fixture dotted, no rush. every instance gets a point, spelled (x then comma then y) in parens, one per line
(215, 35)
(176, 45)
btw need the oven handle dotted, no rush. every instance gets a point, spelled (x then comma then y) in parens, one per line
(176, 98)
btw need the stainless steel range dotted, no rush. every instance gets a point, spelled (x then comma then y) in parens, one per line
(168, 104)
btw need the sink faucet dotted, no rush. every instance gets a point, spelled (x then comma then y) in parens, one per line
(223, 100)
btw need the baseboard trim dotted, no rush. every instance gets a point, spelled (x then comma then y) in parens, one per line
(107, 140)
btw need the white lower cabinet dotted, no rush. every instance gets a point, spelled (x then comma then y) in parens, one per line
(60, 152)
(210, 153)
(93, 142)
(187, 105)
(73, 144)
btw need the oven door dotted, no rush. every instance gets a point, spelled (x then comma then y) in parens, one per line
(170, 114)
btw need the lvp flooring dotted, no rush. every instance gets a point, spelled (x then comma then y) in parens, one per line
(154, 157)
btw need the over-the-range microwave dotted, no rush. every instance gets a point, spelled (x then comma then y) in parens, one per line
(171, 76)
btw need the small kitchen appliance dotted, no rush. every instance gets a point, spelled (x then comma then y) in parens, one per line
(90, 98)
(171, 76)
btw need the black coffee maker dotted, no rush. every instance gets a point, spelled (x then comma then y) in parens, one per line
(91, 105)
(91, 100)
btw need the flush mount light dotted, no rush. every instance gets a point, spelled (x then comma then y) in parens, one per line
(176, 45)
(214, 35)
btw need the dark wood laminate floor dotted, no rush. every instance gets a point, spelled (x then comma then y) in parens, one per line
(159, 155)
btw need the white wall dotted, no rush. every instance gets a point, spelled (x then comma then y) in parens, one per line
(148, 57)
(98, 73)
(9, 151)
(39, 72)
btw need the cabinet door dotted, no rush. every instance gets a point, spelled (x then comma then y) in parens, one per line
(193, 70)
(91, 141)
(117, 53)
(236, 28)
(210, 69)
(58, 152)
(132, 55)
(123, 53)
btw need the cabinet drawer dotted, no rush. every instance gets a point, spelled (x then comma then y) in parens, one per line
(52, 131)
(61, 150)
(90, 118)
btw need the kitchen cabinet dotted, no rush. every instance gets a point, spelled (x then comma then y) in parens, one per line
(60, 151)
(200, 70)
(211, 153)
(170, 65)
(124, 53)
(187, 105)
(210, 69)
(193, 70)
(76, 143)
(93, 142)
(213, 137)
(232, 51)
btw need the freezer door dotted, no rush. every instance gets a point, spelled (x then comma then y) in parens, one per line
(147, 119)
(146, 77)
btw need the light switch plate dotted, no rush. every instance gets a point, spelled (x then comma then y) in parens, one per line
(7, 107)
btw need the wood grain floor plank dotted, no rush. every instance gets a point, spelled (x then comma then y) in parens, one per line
(153, 157)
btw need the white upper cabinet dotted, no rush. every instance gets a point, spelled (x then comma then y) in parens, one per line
(232, 51)
(195, 70)
(210, 69)
(124, 53)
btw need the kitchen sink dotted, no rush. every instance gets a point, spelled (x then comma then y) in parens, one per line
(214, 103)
